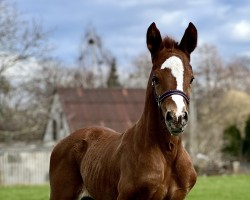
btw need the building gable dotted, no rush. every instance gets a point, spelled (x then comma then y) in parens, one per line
(116, 108)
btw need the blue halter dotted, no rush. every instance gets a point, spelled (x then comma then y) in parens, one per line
(169, 93)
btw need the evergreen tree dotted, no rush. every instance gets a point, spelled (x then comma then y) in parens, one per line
(246, 141)
(113, 79)
(232, 142)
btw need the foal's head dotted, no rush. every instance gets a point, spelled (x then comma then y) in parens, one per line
(172, 75)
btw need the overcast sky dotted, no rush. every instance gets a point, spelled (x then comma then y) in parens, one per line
(123, 24)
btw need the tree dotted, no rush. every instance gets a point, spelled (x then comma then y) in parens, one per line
(236, 74)
(235, 145)
(19, 39)
(113, 79)
(21, 42)
(142, 67)
(232, 142)
(209, 71)
(246, 141)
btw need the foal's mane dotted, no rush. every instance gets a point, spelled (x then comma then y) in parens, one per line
(170, 43)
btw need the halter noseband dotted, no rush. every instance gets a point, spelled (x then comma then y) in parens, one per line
(160, 98)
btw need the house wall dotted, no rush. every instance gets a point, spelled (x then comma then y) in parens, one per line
(57, 126)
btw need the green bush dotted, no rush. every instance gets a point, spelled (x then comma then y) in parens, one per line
(235, 146)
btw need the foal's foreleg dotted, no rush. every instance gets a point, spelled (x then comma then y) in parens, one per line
(65, 184)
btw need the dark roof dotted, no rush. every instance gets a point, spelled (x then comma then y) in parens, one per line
(115, 108)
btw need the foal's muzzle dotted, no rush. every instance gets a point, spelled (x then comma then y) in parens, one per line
(176, 124)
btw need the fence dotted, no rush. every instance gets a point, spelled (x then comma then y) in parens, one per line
(24, 167)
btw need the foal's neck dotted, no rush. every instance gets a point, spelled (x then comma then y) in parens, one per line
(151, 128)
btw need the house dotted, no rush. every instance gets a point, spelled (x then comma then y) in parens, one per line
(75, 108)
(71, 109)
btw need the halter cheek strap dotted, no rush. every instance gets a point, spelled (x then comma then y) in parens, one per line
(160, 98)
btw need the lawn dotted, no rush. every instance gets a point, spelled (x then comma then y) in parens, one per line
(221, 188)
(24, 192)
(206, 188)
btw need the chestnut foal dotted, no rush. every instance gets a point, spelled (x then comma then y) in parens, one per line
(148, 161)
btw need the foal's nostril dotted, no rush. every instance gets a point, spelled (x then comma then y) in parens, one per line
(183, 119)
(169, 116)
(185, 116)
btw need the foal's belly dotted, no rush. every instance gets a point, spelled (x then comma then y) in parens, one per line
(99, 166)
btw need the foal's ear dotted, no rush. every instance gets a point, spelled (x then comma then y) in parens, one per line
(154, 40)
(189, 39)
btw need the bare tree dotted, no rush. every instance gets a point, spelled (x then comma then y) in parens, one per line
(21, 42)
(237, 74)
(210, 72)
(19, 39)
(142, 66)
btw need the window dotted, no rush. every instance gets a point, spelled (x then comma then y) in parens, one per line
(61, 120)
(54, 136)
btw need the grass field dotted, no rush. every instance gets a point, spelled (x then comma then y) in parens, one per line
(207, 188)
(221, 188)
(24, 193)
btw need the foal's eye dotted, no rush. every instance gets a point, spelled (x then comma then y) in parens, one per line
(155, 80)
(192, 79)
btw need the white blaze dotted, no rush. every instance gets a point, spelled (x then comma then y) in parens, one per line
(177, 69)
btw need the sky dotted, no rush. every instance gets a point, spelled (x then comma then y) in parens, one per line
(122, 25)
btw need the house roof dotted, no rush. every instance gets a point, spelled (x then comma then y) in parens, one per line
(115, 108)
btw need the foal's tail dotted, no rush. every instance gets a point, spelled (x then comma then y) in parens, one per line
(65, 176)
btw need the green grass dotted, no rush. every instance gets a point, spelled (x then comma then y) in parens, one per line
(24, 192)
(206, 188)
(221, 188)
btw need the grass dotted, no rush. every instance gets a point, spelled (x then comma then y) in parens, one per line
(24, 192)
(206, 188)
(221, 188)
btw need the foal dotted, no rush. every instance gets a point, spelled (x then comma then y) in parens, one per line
(148, 161)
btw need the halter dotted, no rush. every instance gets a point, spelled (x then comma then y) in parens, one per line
(169, 93)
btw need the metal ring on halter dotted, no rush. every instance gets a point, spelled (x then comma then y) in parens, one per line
(160, 98)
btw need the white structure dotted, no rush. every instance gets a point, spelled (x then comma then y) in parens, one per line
(57, 126)
(28, 164)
